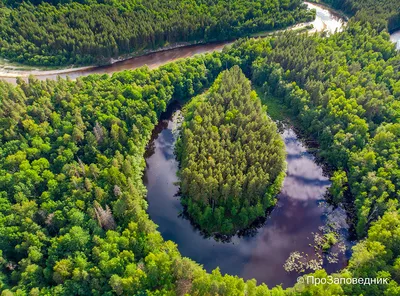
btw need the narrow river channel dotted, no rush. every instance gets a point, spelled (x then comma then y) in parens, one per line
(301, 213)
(325, 20)
(300, 217)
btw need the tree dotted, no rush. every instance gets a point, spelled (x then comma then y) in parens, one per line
(239, 157)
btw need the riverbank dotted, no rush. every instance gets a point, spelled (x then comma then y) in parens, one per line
(282, 115)
(16, 70)
(395, 38)
(300, 216)
(155, 58)
(325, 5)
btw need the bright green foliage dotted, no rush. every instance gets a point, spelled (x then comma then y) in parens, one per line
(72, 207)
(338, 186)
(232, 158)
(378, 257)
(93, 31)
(72, 210)
(345, 92)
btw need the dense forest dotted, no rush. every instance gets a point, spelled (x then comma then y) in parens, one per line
(344, 91)
(232, 158)
(73, 215)
(347, 104)
(93, 31)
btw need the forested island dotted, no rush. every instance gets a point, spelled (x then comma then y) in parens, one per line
(73, 215)
(85, 32)
(232, 158)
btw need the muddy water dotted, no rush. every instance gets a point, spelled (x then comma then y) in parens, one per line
(152, 60)
(325, 20)
(300, 212)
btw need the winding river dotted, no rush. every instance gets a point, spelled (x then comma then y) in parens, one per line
(299, 216)
(325, 20)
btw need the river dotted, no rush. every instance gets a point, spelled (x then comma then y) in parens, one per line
(325, 20)
(395, 37)
(300, 217)
(300, 214)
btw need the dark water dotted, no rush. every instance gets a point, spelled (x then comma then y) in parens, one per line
(288, 228)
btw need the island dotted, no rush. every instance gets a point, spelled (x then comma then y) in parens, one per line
(232, 157)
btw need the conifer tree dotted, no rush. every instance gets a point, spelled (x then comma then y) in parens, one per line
(232, 157)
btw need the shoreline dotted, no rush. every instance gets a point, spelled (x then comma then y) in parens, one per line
(10, 72)
(333, 10)
(6, 71)
(14, 73)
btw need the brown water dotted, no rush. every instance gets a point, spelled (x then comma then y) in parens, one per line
(300, 211)
(325, 20)
(152, 60)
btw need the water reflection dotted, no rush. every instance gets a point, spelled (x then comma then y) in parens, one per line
(326, 19)
(288, 228)
(395, 37)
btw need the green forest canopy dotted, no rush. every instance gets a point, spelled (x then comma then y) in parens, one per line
(72, 210)
(92, 32)
(232, 157)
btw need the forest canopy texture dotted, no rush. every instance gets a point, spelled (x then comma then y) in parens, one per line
(54, 33)
(232, 158)
(73, 215)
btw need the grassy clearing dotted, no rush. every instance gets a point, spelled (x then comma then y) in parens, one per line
(275, 109)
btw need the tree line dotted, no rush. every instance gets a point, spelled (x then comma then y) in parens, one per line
(232, 158)
(344, 92)
(56, 33)
(73, 215)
